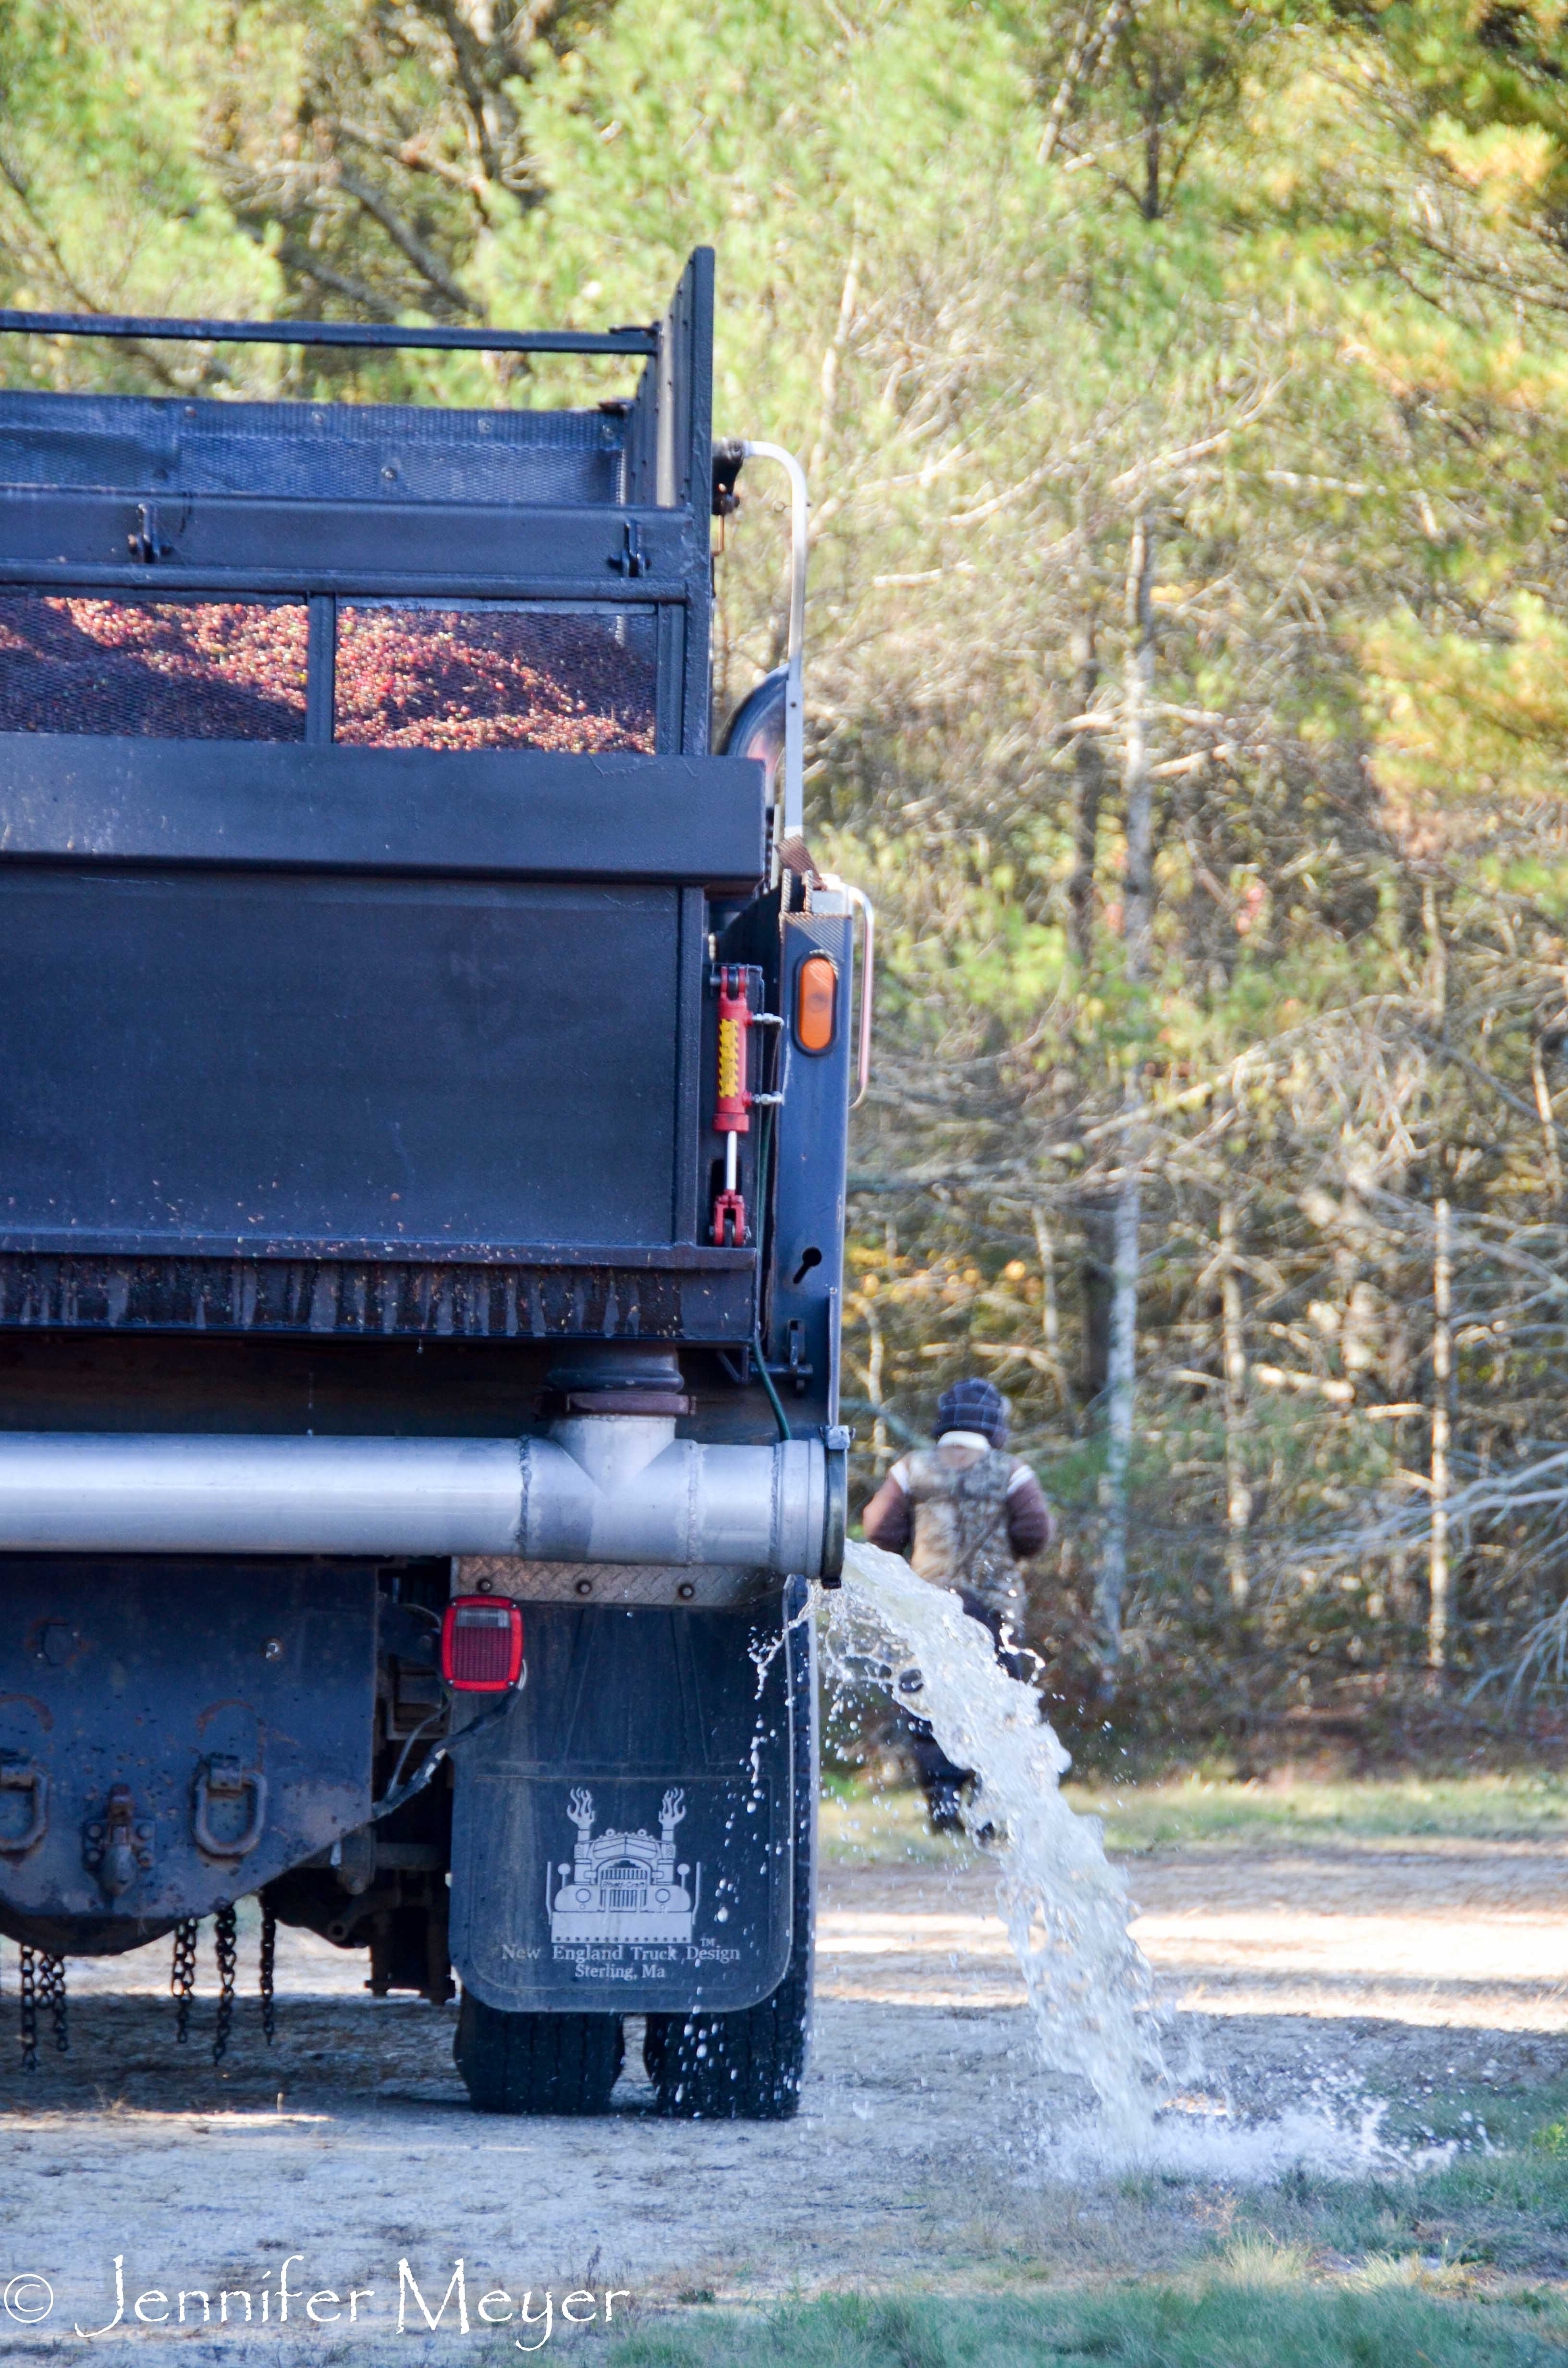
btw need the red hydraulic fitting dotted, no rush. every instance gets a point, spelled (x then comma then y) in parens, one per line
(732, 1108)
(734, 1104)
(728, 1221)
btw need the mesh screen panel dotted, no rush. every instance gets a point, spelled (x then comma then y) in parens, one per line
(163, 669)
(386, 453)
(410, 677)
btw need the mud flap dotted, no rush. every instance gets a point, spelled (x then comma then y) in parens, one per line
(173, 1734)
(623, 1840)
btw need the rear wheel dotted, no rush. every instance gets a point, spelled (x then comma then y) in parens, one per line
(536, 2063)
(732, 2067)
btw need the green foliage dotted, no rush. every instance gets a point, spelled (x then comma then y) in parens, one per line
(1486, 85)
(107, 199)
(1489, 718)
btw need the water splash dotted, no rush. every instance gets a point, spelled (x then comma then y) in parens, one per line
(1091, 1991)
(1334, 2130)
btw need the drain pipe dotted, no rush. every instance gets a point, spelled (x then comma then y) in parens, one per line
(603, 1487)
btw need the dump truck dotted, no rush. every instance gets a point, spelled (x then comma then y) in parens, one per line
(422, 1165)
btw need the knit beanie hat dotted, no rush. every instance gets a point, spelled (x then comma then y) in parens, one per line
(973, 1405)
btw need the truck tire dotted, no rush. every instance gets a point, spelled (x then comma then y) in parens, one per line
(536, 2063)
(749, 2066)
(732, 2067)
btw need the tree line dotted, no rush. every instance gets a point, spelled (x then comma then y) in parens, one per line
(1184, 390)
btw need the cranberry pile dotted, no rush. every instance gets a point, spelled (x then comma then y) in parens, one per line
(406, 676)
(172, 669)
(411, 677)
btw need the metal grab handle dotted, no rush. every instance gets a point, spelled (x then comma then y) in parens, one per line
(26, 1776)
(794, 799)
(867, 990)
(867, 913)
(222, 1776)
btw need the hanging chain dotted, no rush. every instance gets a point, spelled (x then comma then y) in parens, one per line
(42, 1983)
(51, 1991)
(223, 1925)
(269, 1964)
(27, 1985)
(182, 1975)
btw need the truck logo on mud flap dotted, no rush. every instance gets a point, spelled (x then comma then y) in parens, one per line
(624, 1887)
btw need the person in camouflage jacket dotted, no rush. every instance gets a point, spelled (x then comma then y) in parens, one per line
(967, 1514)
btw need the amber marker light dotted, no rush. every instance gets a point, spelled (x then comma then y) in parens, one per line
(816, 1003)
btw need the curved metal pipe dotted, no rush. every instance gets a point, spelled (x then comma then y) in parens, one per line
(867, 912)
(605, 1488)
(795, 697)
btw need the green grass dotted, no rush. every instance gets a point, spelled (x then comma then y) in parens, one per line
(864, 1825)
(1199, 1809)
(1262, 2307)
(861, 1823)
(1484, 2217)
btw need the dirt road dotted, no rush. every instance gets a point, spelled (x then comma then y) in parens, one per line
(917, 2153)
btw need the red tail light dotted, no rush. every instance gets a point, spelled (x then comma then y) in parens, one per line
(481, 1645)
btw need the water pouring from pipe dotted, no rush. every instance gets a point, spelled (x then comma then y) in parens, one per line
(1065, 1907)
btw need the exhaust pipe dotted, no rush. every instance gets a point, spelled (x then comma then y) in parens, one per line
(603, 1487)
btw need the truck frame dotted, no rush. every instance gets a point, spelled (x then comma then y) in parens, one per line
(421, 1168)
